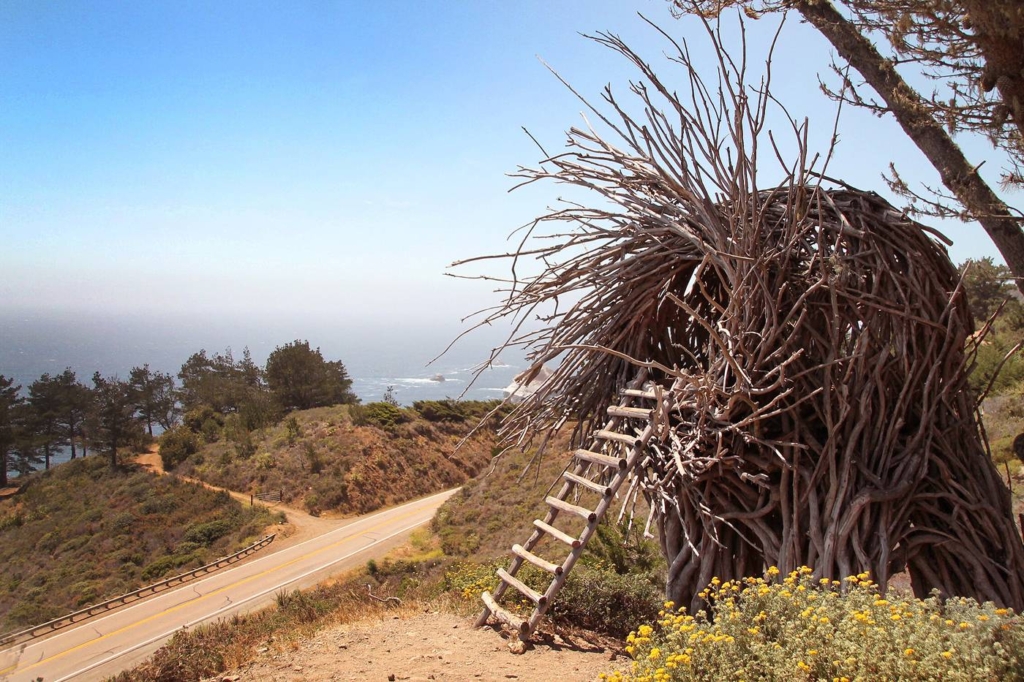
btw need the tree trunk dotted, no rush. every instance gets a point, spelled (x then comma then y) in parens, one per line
(71, 436)
(46, 454)
(3, 467)
(959, 176)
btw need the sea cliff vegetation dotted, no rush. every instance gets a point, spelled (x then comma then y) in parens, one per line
(84, 532)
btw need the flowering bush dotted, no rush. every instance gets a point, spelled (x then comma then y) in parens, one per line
(802, 628)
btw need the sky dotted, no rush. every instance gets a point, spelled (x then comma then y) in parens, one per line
(323, 160)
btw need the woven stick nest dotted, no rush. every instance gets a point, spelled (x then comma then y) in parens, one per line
(810, 339)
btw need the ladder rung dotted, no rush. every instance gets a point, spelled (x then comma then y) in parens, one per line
(598, 488)
(598, 458)
(562, 505)
(629, 412)
(638, 393)
(528, 592)
(557, 534)
(631, 441)
(536, 560)
(504, 615)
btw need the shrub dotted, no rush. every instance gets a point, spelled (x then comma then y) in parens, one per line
(596, 599)
(194, 419)
(294, 431)
(606, 601)
(377, 414)
(176, 445)
(803, 628)
(211, 430)
(440, 410)
(205, 533)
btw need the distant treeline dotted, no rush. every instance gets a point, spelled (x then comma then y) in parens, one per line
(60, 411)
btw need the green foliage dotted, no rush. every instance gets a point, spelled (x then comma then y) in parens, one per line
(236, 431)
(154, 396)
(612, 549)
(304, 607)
(604, 600)
(441, 410)
(168, 564)
(10, 402)
(205, 533)
(988, 286)
(990, 358)
(377, 414)
(593, 597)
(800, 627)
(199, 415)
(115, 424)
(176, 445)
(299, 378)
(294, 431)
(218, 381)
(316, 462)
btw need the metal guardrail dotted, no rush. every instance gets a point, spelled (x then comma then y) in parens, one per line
(133, 596)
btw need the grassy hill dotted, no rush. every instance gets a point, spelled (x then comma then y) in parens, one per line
(81, 533)
(349, 459)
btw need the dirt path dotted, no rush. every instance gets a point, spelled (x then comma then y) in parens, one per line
(423, 646)
(299, 527)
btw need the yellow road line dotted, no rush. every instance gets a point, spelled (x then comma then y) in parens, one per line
(176, 607)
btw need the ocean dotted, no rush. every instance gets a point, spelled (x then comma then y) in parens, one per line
(376, 355)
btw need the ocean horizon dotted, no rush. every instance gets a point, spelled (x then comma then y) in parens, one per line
(411, 359)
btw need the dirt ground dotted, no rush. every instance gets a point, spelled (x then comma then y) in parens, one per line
(424, 646)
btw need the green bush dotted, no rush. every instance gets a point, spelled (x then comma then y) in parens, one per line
(606, 601)
(205, 533)
(808, 629)
(440, 410)
(596, 599)
(377, 414)
(176, 445)
(194, 419)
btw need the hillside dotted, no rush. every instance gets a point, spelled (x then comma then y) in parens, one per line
(321, 460)
(82, 532)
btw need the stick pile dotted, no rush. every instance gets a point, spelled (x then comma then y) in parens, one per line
(810, 341)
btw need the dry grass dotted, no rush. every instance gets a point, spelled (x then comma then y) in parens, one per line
(325, 463)
(82, 532)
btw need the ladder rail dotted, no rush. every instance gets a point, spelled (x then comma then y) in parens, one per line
(620, 469)
(602, 508)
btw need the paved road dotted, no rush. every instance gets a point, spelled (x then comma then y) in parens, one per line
(102, 647)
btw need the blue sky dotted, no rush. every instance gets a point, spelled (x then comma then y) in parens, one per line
(323, 159)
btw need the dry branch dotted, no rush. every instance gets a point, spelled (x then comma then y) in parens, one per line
(808, 340)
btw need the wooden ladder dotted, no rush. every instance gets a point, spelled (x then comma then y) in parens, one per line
(602, 472)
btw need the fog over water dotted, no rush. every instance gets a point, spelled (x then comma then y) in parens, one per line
(377, 355)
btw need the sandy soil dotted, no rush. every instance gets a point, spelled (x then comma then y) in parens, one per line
(424, 646)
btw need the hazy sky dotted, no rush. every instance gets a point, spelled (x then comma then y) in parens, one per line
(317, 158)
